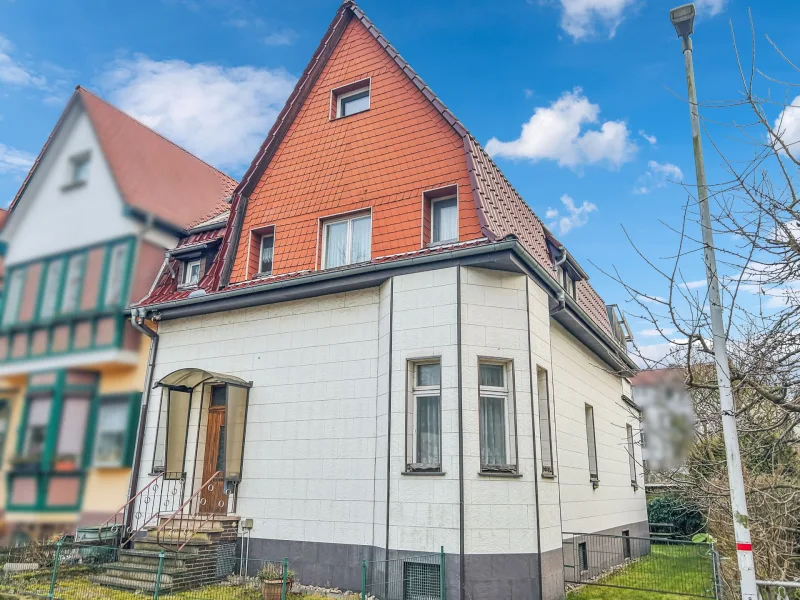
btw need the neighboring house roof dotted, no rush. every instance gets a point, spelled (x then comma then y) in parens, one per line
(501, 210)
(652, 377)
(153, 175)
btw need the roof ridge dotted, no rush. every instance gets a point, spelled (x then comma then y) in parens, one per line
(82, 90)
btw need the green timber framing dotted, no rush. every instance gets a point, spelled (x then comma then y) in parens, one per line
(43, 469)
(100, 311)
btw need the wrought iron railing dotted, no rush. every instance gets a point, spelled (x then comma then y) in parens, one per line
(158, 497)
(191, 517)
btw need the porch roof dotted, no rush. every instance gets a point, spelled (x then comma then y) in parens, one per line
(188, 378)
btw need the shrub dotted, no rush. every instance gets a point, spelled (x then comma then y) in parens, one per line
(686, 520)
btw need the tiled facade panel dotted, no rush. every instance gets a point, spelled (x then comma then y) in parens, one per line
(500, 512)
(91, 278)
(425, 509)
(381, 159)
(309, 456)
(581, 379)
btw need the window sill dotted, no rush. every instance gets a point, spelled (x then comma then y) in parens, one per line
(339, 117)
(73, 185)
(441, 243)
(423, 473)
(109, 467)
(549, 476)
(500, 474)
(187, 286)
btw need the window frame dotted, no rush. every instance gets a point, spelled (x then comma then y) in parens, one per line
(127, 401)
(17, 276)
(25, 438)
(434, 202)
(83, 256)
(548, 470)
(583, 557)
(631, 456)
(508, 394)
(61, 264)
(76, 162)
(5, 417)
(262, 237)
(187, 269)
(115, 273)
(414, 393)
(348, 218)
(343, 92)
(591, 444)
(568, 282)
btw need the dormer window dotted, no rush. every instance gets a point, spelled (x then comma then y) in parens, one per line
(445, 220)
(567, 282)
(265, 255)
(191, 273)
(351, 99)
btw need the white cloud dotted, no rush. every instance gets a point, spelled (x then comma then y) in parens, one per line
(787, 125)
(651, 299)
(15, 161)
(287, 37)
(555, 133)
(657, 176)
(575, 216)
(582, 19)
(222, 114)
(693, 285)
(650, 139)
(14, 73)
(656, 332)
(710, 8)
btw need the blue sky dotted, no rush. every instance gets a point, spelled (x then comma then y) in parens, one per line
(600, 81)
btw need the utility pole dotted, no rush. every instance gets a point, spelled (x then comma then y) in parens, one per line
(683, 20)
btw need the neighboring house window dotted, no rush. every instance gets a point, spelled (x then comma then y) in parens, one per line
(72, 286)
(5, 413)
(115, 278)
(16, 284)
(52, 282)
(445, 220)
(265, 255)
(112, 431)
(36, 427)
(424, 417)
(497, 421)
(80, 168)
(347, 241)
(191, 273)
(631, 455)
(72, 431)
(353, 101)
(544, 422)
(591, 443)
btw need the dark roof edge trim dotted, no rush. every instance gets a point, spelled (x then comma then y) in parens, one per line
(631, 403)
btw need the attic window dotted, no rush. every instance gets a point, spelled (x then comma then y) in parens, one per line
(267, 248)
(351, 99)
(568, 282)
(261, 252)
(440, 215)
(191, 273)
(80, 168)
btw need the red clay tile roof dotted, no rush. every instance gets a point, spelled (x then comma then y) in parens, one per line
(153, 174)
(650, 377)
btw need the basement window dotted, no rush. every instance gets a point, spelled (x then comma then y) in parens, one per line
(351, 99)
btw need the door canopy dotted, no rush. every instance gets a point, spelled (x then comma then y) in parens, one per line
(185, 380)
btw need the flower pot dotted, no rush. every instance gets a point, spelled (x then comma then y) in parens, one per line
(64, 465)
(271, 590)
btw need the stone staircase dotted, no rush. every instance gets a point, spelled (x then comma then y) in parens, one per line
(209, 555)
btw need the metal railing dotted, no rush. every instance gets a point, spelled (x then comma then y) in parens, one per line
(191, 517)
(159, 496)
(414, 577)
(647, 564)
(778, 590)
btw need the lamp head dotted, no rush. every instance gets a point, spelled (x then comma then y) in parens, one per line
(683, 19)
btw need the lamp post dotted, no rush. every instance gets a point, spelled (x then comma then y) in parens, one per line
(683, 20)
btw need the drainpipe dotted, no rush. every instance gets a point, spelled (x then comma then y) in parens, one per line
(561, 299)
(562, 304)
(137, 320)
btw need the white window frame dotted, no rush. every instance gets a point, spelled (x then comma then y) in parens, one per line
(548, 470)
(75, 164)
(631, 456)
(115, 277)
(506, 393)
(14, 291)
(423, 391)
(349, 219)
(591, 444)
(67, 292)
(107, 463)
(187, 269)
(433, 225)
(569, 284)
(261, 253)
(50, 297)
(340, 98)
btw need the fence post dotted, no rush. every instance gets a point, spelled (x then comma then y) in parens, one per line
(441, 572)
(157, 586)
(363, 580)
(285, 574)
(55, 569)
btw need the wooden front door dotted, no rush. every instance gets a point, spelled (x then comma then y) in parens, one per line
(214, 500)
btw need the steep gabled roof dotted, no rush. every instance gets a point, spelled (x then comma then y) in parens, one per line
(152, 174)
(502, 212)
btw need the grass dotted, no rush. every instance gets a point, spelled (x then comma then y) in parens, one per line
(681, 569)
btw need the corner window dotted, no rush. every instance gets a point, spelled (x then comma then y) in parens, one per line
(545, 437)
(445, 220)
(79, 169)
(347, 241)
(352, 99)
(265, 255)
(115, 275)
(72, 285)
(16, 283)
(424, 417)
(591, 442)
(112, 431)
(36, 427)
(497, 418)
(191, 273)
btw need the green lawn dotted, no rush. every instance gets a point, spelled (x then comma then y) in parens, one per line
(683, 569)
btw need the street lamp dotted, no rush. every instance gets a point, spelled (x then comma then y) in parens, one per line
(682, 18)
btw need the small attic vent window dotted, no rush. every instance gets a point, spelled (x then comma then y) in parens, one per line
(351, 99)
(78, 170)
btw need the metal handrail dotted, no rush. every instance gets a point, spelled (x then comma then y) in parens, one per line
(776, 590)
(179, 514)
(131, 500)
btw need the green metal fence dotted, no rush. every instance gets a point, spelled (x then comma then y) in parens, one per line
(64, 571)
(414, 577)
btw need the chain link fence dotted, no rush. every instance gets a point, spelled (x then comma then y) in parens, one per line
(416, 577)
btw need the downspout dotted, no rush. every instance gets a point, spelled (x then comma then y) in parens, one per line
(137, 320)
(461, 542)
(561, 298)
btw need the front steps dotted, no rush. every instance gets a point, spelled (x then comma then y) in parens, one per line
(208, 556)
